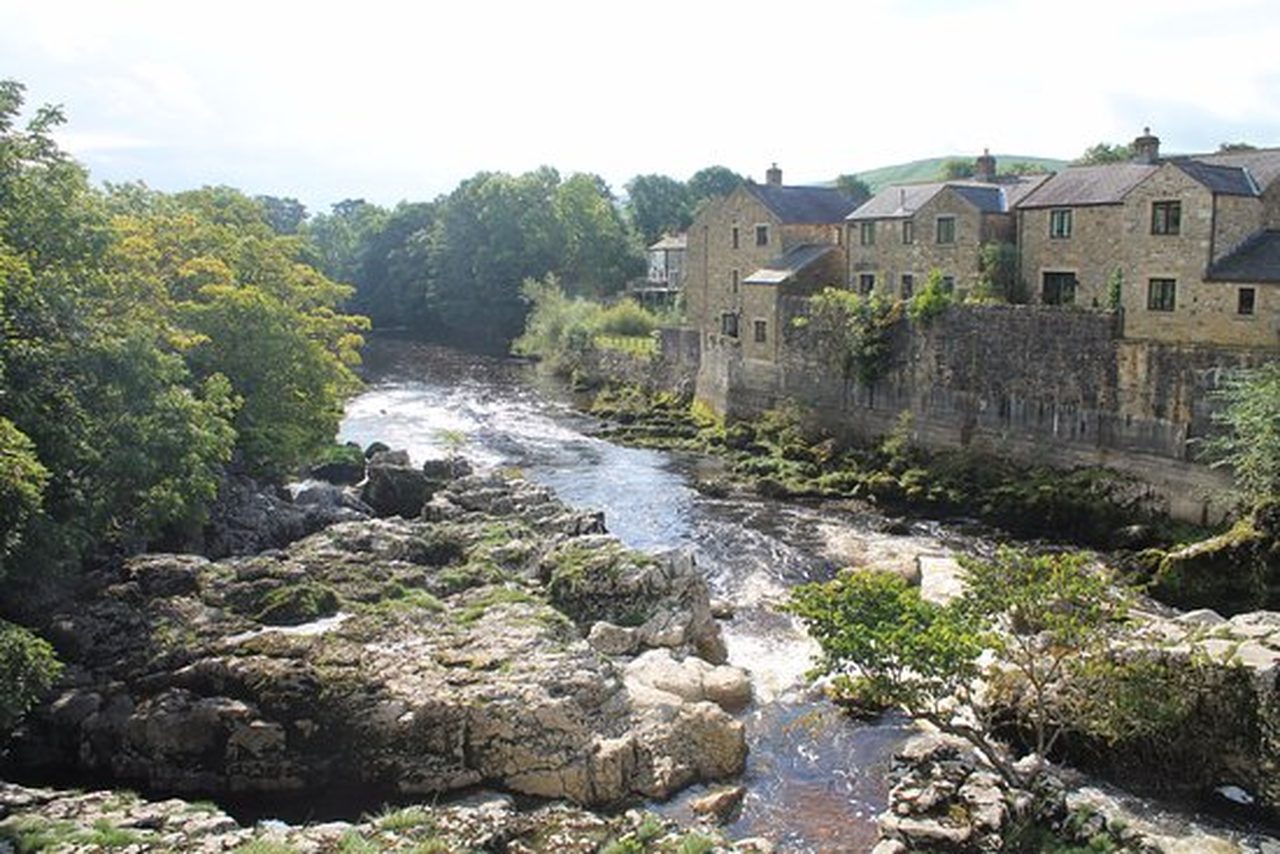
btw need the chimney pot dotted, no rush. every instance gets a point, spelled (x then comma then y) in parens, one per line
(985, 167)
(1146, 148)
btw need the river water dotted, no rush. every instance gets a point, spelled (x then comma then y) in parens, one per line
(815, 778)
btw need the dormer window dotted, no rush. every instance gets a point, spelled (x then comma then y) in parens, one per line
(1060, 223)
(1166, 217)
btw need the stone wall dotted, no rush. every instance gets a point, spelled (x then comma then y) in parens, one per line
(1036, 383)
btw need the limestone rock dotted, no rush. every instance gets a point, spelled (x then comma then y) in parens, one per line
(720, 804)
(422, 656)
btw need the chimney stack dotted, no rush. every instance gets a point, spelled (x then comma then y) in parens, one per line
(773, 176)
(985, 167)
(1146, 148)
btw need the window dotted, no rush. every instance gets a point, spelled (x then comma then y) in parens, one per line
(837, 235)
(733, 280)
(866, 283)
(761, 331)
(1161, 294)
(735, 237)
(1166, 217)
(908, 285)
(1059, 289)
(729, 324)
(1245, 300)
(868, 234)
(948, 284)
(762, 235)
(1060, 223)
(908, 231)
(946, 229)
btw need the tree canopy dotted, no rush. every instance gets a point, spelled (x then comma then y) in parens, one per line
(147, 341)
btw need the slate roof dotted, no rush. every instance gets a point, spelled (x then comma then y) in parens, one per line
(804, 205)
(1088, 185)
(1263, 164)
(672, 241)
(903, 200)
(1256, 260)
(1219, 179)
(789, 263)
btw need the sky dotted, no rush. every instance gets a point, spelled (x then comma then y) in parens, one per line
(402, 100)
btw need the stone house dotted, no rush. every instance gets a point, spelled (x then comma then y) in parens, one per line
(903, 233)
(1189, 244)
(746, 249)
(665, 274)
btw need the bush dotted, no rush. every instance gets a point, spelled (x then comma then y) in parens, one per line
(28, 667)
(930, 301)
(628, 319)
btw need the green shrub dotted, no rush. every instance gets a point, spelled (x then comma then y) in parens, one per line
(28, 668)
(628, 319)
(931, 300)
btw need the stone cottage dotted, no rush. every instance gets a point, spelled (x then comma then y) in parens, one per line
(1188, 246)
(905, 232)
(746, 249)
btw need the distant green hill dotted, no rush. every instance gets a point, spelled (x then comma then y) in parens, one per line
(918, 171)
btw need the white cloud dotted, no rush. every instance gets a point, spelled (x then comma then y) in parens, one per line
(333, 95)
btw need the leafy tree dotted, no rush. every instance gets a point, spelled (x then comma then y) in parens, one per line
(852, 332)
(599, 255)
(1022, 167)
(495, 231)
(284, 215)
(28, 668)
(712, 182)
(392, 275)
(1227, 147)
(998, 274)
(22, 483)
(658, 204)
(1102, 153)
(853, 187)
(956, 168)
(1248, 437)
(339, 238)
(128, 444)
(1043, 619)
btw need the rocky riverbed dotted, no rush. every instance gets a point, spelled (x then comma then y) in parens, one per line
(498, 638)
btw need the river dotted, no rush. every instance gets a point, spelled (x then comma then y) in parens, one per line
(815, 779)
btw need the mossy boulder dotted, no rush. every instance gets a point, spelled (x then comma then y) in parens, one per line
(1231, 573)
(294, 604)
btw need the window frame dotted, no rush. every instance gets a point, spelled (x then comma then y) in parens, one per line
(1060, 278)
(760, 331)
(729, 324)
(1060, 223)
(907, 285)
(866, 283)
(737, 244)
(867, 233)
(908, 232)
(950, 222)
(762, 231)
(1252, 302)
(1161, 298)
(1166, 218)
